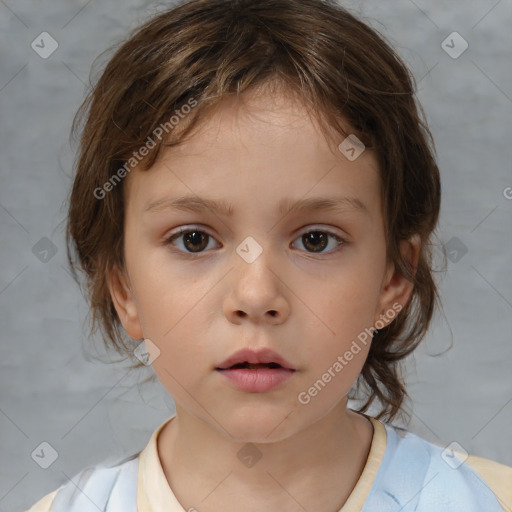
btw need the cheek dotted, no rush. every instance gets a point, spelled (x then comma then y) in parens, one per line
(341, 314)
(345, 304)
(161, 302)
(182, 354)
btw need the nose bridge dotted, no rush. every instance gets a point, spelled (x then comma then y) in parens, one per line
(255, 288)
(256, 257)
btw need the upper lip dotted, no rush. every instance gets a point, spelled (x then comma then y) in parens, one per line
(262, 355)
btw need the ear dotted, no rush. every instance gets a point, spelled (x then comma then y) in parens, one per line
(396, 289)
(124, 302)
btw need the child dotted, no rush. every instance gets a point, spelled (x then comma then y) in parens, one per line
(282, 137)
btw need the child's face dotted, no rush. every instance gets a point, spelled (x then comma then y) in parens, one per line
(308, 306)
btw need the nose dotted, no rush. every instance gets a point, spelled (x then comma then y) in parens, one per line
(257, 293)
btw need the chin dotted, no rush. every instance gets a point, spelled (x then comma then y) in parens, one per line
(259, 425)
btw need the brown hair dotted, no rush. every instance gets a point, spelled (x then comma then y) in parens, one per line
(206, 50)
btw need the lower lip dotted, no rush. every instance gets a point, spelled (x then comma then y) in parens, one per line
(258, 380)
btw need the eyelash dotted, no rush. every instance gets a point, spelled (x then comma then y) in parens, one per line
(169, 240)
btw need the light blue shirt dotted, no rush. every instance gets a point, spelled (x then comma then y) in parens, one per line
(413, 476)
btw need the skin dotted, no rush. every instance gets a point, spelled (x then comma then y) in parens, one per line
(199, 310)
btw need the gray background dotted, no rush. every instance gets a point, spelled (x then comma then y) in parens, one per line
(51, 390)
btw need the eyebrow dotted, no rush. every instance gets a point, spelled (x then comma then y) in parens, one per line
(201, 204)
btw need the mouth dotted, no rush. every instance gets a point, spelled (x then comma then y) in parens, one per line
(251, 366)
(251, 359)
(256, 377)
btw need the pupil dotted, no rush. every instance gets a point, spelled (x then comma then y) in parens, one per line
(194, 238)
(315, 237)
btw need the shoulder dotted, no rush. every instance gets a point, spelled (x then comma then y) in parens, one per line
(421, 476)
(104, 487)
(44, 504)
(496, 475)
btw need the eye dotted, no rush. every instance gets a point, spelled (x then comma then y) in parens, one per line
(194, 240)
(317, 240)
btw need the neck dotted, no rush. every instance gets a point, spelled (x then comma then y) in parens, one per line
(302, 467)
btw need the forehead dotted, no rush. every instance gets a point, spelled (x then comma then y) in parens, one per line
(258, 149)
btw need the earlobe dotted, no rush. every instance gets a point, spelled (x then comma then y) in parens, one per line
(124, 302)
(397, 289)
